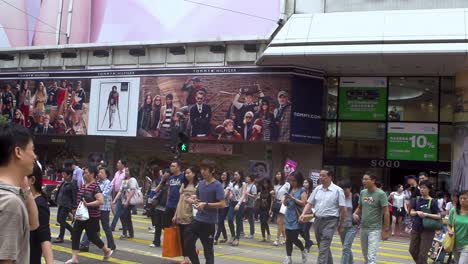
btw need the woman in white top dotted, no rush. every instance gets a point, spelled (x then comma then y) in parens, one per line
(280, 188)
(397, 200)
(237, 189)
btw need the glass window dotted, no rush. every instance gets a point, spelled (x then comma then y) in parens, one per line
(445, 142)
(330, 140)
(447, 99)
(361, 140)
(413, 99)
(332, 96)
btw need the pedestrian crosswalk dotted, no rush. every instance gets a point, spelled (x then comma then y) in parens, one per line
(136, 250)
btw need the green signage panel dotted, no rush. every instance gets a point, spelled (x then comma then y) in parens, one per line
(362, 98)
(412, 141)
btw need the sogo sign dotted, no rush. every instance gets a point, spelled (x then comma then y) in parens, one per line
(385, 163)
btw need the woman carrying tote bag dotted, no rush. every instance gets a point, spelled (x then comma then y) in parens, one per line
(127, 190)
(425, 213)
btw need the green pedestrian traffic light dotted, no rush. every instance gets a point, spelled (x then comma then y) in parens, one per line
(183, 147)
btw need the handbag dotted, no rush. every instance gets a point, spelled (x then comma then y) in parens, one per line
(82, 213)
(171, 243)
(430, 223)
(449, 241)
(276, 206)
(283, 208)
(137, 198)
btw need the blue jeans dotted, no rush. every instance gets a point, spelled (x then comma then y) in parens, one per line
(118, 214)
(370, 240)
(239, 215)
(347, 239)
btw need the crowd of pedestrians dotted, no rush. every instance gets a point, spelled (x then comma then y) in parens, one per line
(199, 199)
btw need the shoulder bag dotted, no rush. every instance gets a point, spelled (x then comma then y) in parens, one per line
(137, 198)
(430, 223)
(449, 241)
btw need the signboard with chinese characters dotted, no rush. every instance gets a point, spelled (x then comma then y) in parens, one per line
(412, 141)
(362, 98)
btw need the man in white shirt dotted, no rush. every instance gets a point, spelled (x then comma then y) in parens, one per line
(77, 174)
(116, 183)
(329, 203)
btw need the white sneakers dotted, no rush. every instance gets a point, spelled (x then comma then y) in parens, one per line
(287, 260)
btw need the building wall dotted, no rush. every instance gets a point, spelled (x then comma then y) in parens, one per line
(318, 6)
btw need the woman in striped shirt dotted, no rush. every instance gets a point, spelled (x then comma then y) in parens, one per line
(91, 196)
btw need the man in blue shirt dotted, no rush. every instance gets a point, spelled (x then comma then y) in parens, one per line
(210, 198)
(175, 181)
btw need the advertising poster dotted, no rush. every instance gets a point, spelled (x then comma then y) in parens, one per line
(260, 169)
(306, 124)
(111, 111)
(412, 141)
(363, 98)
(220, 107)
(47, 107)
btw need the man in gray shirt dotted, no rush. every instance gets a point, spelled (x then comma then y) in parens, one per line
(328, 202)
(18, 210)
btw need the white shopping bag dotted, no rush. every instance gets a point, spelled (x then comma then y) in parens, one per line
(82, 213)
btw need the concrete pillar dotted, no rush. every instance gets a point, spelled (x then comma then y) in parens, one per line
(460, 141)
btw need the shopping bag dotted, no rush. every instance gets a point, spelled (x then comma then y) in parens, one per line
(82, 213)
(283, 209)
(172, 246)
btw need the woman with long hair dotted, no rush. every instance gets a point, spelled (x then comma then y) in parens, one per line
(251, 196)
(39, 99)
(225, 179)
(265, 198)
(294, 200)
(184, 212)
(237, 190)
(156, 114)
(267, 119)
(144, 113)
(91, 196)
(127, 190)
(398, 210)
(308, 186)
(421, 237)
(40, 238)
(458, 226)
(280, 188)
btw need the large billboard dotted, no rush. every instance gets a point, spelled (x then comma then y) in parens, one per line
(53, 22)
(224, 104)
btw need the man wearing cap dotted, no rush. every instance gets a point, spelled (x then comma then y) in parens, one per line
(193, 86)
(282, 116)
(200, 117)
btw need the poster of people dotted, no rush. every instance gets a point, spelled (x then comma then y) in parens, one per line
(111, 113)
(47, 107)
(260, 169)
(224, 107)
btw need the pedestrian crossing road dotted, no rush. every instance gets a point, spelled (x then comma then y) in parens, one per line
(137, 250)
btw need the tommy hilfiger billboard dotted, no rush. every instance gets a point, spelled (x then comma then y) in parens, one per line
(228, 104)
